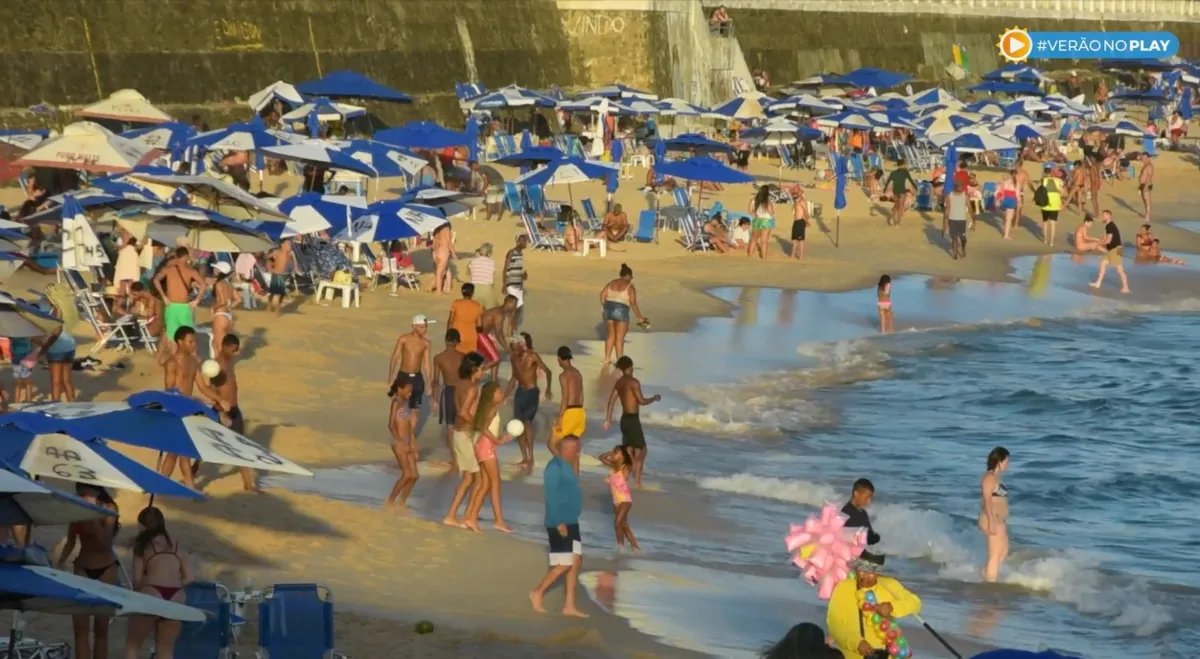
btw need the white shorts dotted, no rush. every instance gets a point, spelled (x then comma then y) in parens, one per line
(517, 292)
(463, 444)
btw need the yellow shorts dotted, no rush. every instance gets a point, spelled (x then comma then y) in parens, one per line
(572, 422)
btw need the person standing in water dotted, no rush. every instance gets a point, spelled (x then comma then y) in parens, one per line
(412, 355)
(1112, 245)
(445, 377)
(487, 438)
(618, 299)
(883, 294)
(629, 390)
(564, 505)
(526, 366)
(620, 464)
(572, 418)
(403, 446)
(993, 513)
(861, 496)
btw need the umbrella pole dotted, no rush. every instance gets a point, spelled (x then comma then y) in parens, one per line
(837, 232)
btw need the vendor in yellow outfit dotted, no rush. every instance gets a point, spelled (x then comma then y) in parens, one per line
(851, 628)
(572, 418)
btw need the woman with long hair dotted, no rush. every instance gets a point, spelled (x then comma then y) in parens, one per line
(160, 569)
(1006, 198)
(619, 301)
(224, 300)
(403, 446)
(96, 560)
(487, 438)
(763, 212)
(993, 512)
(462, 443)
(59, 348)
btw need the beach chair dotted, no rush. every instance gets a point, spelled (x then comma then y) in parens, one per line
(924, 201)
(856, 168)
(208, 639)
(512, 197)
(989, 196)
(538, 202)
(646, 227)
(874, 161)
(1149, 146)
(539, 238)
(694, 239)
(510, 144)
(1007, 158)
(594, 223)
(295, 621)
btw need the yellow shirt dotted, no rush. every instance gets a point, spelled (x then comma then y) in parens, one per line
(1053, 192)
(845, 614)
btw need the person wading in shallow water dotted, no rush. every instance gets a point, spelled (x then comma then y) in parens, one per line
(526, 366)
(629, 391)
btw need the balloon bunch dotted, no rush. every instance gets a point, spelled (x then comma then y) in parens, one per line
(823, 548)
(897, 644)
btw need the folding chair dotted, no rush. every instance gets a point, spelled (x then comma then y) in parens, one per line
(117, 332)
(594, 222)
(989, 195)
(647, 227)
(856, 167)
(208, 639)
(539, 238)
(694, 239)
(924, 201)
(295, 621)
(512, 197)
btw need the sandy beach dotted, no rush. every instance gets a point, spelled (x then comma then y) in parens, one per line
(313, 389)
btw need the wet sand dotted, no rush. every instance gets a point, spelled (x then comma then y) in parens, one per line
(312, 383)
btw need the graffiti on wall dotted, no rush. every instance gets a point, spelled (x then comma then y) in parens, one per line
(592, 24)
(233, 34)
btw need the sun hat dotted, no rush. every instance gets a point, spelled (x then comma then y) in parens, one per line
(222, 267)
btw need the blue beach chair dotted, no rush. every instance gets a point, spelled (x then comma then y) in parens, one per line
(646, 228)
(295, 621)
(989, 196)
(512, 197)
(924, 200)
(856, 167)
(539, 238)
(208, 639)
(589, 212)
(874, 161)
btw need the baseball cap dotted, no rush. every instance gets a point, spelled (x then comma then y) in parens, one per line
(421, 319)
(222, 267)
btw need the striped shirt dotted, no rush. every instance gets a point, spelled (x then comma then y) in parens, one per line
(514, 274)
(482, 270)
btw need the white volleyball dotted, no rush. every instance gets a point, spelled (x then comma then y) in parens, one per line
(210, 369)
(515, 427)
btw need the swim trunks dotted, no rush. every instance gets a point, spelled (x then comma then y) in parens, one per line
(631, 431)
(617, 312)
(176, 315)
(799, 228)
(572, 421)
(448, 410)
(487, 348)
(237, 422)
(958, 228)
(418, 390)
(564, 549)
(463, 445)
(277, 284)
(525, 404)
(1145, 187)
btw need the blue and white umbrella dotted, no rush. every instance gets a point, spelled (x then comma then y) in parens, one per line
(171, 423)
(422, 135)
(973, 140)
(276, 91)
(1120, 127)
(24, 501)
(450, 202)
(19, 319)
(617, 90)
(23, 138)
(934, 96)
(1019, 72)
(677, 107)
(385, 159)
(214, 193)
(37, 445)
(319, 152)
(508, 97)
(325, 110)
(855, 120)
(249, 136)
(987, 108)
(171, 136)
(598, 105)
(312, 212)
(1061, 105)
(566, 172)
(947, 122)
(206, 230)
(806, 102)
(746, 106)
(1019, 131)
(1026, 107)
(392, 220)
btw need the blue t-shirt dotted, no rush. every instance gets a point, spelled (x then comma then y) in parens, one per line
(564, 499)
(21, 347)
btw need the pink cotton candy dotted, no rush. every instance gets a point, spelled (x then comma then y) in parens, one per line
(823, 548)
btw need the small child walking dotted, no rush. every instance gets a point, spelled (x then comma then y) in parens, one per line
(619, 461)
(884, 293)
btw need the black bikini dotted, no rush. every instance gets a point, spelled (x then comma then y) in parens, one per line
(97, 572)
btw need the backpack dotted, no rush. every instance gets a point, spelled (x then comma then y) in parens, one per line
(1041, 196)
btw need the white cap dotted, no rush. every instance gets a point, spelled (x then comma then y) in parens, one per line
(222, 267)
(421, 319)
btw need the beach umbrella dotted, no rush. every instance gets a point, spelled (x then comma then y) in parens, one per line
(312, 212)
(567, 171)
(128, 106)
(472, 132)
(37, 445)
(319, 152)
(94, 199)
(276, 91)
(450, 202)
(950, 163)
(81, 249)
(1019, 131)
(946, 121)
(171, 136)
(618, 90)
(325, 110)
(348, 84)
(677, 107)
(1018, 72)
(19, 319)
(535, 155)
(1148, 97)
(169, 422)
(384, 159)
(1025, 106)
(806, 102)
(87, 146)
(1135, 65)
(1063, 106)
(469, 91)
(1120, 127)
(839, 194)
(868, 77)
(215, 194)
(25, 502)
(934, 96)
(976, 139)
(702, 168)
(247, 136)
(30, 584)
(511, 96)
(206, 230)
(745, 106)
(854, 119)
(422, 135)
(1185, 105)
(600, 105)
(23, 138)
(987, 108)
(392, 220)
(1007, 87)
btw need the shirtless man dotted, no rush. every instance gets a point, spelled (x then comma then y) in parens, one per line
(1146, 181)
(227, 388)
(1075, 187)
(629, 390)
(443, 251)
(181, 371)
(1083, 241)
(278, 261)
(412, 355)
(466, 400)
(175, 282)
(1022, 184)
(1144, 240)
(526, 365)
(572, 418)
(616, 224)
(445, 381)
(496, 326)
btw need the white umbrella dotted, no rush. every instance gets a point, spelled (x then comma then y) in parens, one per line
(748, 105)
(280, 90)
(597, 104)
(89, 147)
(806, 102)
(45, 589)
(126, 105)
(225, 198)
(326, 111)
(22, 139)
(25, 501)
(973, 140)
(392, 220)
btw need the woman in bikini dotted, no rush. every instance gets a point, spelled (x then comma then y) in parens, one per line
(224, 300)
(96, 560)
(443, 251)
(160, 569)
(883, 292)
(993, 512)
(487, 438)
(403, 446)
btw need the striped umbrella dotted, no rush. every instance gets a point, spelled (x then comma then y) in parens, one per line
(511, 96)
(392, 220)
(19, 319)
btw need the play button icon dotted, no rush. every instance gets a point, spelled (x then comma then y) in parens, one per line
(1015, 45)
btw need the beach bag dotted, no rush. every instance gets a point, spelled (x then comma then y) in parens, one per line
(1041, 196)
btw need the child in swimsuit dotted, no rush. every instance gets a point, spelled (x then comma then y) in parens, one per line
(403, 446)
(620, 463)
(884, 292)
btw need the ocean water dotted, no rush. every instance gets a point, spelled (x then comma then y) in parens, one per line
(796, 395)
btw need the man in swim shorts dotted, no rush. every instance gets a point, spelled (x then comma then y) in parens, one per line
(277, 265)
(629, 390)
(412, 355)
(175, 282)
(445, 378)
(526, 365)
(564, 505)
(572, 418)
(496, 326)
